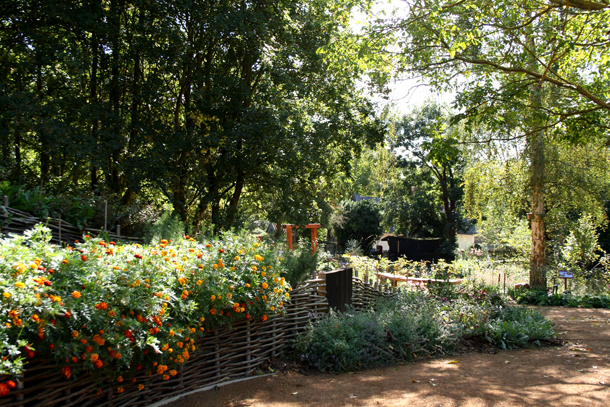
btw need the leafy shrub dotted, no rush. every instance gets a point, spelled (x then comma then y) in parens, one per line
(127, 307)
(516, 327)
(543, 298)
(411, 325)
(400, 330)
(168, 226)
(300, 264)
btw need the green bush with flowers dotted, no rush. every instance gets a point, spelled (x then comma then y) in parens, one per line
(113, 310)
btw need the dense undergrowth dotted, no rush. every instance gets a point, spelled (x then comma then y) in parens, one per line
(415, 324)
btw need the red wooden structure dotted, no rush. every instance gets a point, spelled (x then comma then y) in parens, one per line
(314, 234)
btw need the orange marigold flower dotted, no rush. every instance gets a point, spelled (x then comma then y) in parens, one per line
(74, 359)
(76, 294)
(94, 357)
(265, 286)
(65, 261)
(258, 258)
(83, 257)
(83, 341)
(165, 377)
(75, 334)
(19, 284)
(67, 371)
(98, 363)
(111, 313)
(264, 318)
(119, 379)
(140, 387)
(120, 390)
(173, 372)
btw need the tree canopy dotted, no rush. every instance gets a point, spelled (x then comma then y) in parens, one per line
(202, 101)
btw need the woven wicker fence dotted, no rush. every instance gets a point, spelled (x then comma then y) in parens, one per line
(16, 221)
(223, 355)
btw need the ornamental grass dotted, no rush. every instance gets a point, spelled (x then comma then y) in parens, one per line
(113, 310)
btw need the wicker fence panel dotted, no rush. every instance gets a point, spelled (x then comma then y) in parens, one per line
(16, 221)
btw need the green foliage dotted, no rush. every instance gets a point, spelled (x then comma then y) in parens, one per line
(426, 204)
(168, 226)
(415, 324)
(401, 330)
(300, 263)
(196, 104)
(131, 304)
(565, 299)
(516, 327)
(360, 221)
(580, 248)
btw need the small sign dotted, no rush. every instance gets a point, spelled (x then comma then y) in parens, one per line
(566, 274)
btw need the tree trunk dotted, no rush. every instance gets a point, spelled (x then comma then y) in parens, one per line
(93, 101)
(536, 150)
(536, 145)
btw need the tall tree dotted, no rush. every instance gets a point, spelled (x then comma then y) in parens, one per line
(429, 143)
(543, 61)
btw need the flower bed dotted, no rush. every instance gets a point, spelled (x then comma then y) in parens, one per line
(118, 313)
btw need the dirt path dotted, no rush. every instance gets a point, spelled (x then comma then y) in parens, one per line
(575, 374)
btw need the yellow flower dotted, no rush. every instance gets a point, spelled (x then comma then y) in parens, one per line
(263, 274)
(6, 294)
(236, 258)
(19, 284)
(213, 297)
(199, 282)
